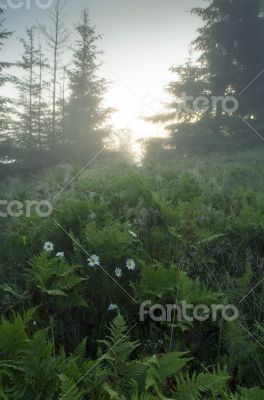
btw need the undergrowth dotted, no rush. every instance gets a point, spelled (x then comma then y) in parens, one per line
(72, 284)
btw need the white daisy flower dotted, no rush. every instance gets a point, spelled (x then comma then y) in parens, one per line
(48, 246)
(130, 264)
(112, 307)
(93, 260)
(118, 272)
(60, 254)
(132, 234)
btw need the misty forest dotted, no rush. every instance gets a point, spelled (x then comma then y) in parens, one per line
(131, 264)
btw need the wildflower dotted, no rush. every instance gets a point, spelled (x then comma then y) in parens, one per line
(60, 254)
(133, 234)
(112, 307)
(93, 260)
(130, 264)
(48, 246)
(118, 272)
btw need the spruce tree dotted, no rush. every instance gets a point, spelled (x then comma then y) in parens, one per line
(231, 56)
(28, 103)
(57, 37)
(43, 112)
(231, 46)
(5, 102)
(85, 113)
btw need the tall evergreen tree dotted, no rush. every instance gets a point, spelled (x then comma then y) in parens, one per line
(231, 56)
(56, 37)
(86, 114)
(231, 46)
(43, 107)
(5, 102)
(28, 86)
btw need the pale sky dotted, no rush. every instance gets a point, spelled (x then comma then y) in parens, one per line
(141, 40)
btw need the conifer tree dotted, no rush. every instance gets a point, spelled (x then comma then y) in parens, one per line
(56, 37)
(5, 102)
(86, 114)
(231, 56)
(28, 86)
(231, 46)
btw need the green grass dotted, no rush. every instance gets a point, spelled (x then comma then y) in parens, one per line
(197, 235)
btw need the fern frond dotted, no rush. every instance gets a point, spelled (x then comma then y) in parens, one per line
(69, 389)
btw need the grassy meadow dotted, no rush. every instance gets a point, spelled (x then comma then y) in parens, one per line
(72, 284)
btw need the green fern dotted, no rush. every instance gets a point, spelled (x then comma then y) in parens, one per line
(56, 278)
(197, 386)
(69, 389)
(163, 367)
(249, 394)
(118, 346)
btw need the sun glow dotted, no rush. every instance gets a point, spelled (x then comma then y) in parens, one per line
(131, 107)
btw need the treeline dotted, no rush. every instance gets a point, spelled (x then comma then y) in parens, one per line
(57, 113)
(230, 67)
